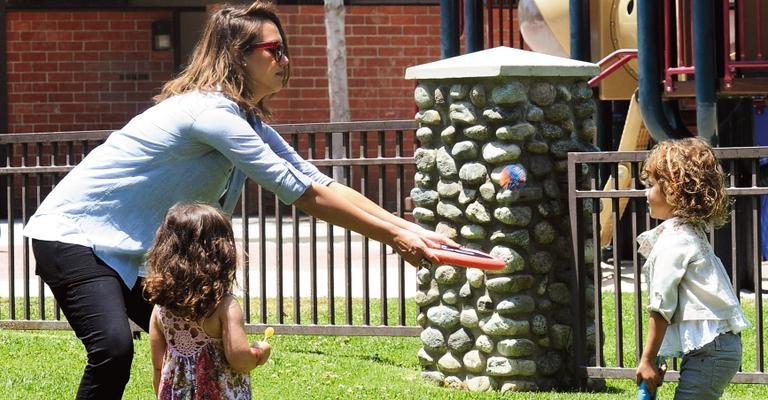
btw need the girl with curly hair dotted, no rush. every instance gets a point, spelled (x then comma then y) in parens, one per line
(196, 331)
(694, 310)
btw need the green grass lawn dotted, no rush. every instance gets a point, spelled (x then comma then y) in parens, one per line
(47, 365)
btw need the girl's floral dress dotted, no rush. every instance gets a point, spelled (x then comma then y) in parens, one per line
(194, 367)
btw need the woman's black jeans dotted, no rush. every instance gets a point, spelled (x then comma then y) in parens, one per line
(97, 305)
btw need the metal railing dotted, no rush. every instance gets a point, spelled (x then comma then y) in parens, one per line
(502, 26)
(737, 244)
(297, 272)
(742, 48)
(307, 277)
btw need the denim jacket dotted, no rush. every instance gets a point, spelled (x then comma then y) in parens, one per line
(192, 147)
(688, 286)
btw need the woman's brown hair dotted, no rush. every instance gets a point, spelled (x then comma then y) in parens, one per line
(218, 63)
(193, 261)
(691, 179)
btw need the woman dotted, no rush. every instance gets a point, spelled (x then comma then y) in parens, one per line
(198, 143)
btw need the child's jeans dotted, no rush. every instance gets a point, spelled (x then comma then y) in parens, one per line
(705, 372)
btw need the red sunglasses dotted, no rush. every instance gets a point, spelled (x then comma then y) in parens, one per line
(275, 47)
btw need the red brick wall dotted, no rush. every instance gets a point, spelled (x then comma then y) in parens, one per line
(381, 42)
(81, 70)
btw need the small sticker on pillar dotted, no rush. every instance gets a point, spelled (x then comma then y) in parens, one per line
(512, 177)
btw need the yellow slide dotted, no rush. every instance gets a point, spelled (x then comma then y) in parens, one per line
(634, 136)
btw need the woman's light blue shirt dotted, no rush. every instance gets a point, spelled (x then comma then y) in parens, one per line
(192, 147)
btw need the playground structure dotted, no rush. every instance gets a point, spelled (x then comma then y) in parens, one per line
(699, 70)
(671, 69)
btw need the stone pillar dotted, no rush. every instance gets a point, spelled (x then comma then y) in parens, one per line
(479, 114)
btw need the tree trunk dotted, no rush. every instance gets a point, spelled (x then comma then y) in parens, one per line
(336, 51)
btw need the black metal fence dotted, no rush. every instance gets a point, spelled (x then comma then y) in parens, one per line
(307, 277)
(610, 258)
(299, 273)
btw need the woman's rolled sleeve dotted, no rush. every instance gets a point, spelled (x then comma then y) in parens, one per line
(667, 269)
(288, 153)
(225, 130)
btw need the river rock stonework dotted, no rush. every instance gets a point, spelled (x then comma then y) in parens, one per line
(507, 330)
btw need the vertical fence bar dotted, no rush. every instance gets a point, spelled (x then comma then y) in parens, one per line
(682, 49)
(759, 28)
(347, 140)
(330, 249)
(40, 285)
(501, 24)
(26, 263)
(69, 157)
(279, 262)
(690, 35)
(512, 25)
(489, 9)
(7, 186)
(264, 313)
(617, 257)
(575, 206)
(296, 253)
(245, 256)
(56, 308)
(727, 74)
(382, 246)
(312, 248)
(667, 45)
(400, 213)
(638, 297)
(758, 273)
(11, 252)
(11, 226)
(734, 248)
(596, 275)
(365, 241)
(741, 31)
(24, 254)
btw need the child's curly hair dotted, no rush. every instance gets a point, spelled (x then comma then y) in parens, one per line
(691, 178)
(193, 261)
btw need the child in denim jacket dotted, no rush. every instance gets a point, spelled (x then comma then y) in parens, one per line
(694, 310)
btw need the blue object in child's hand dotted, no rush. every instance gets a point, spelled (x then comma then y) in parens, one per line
(643, 393)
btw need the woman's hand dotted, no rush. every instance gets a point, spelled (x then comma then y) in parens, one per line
(412, 247)
(432, 238)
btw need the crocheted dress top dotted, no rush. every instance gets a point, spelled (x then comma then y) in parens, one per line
(194, 366)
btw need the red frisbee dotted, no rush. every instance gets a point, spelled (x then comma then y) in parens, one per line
(464, 257)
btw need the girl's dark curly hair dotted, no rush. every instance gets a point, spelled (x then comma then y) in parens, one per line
(193, 261)
(691, 179)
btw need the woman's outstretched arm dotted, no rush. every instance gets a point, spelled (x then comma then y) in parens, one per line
(334, 207)
(374, 209)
